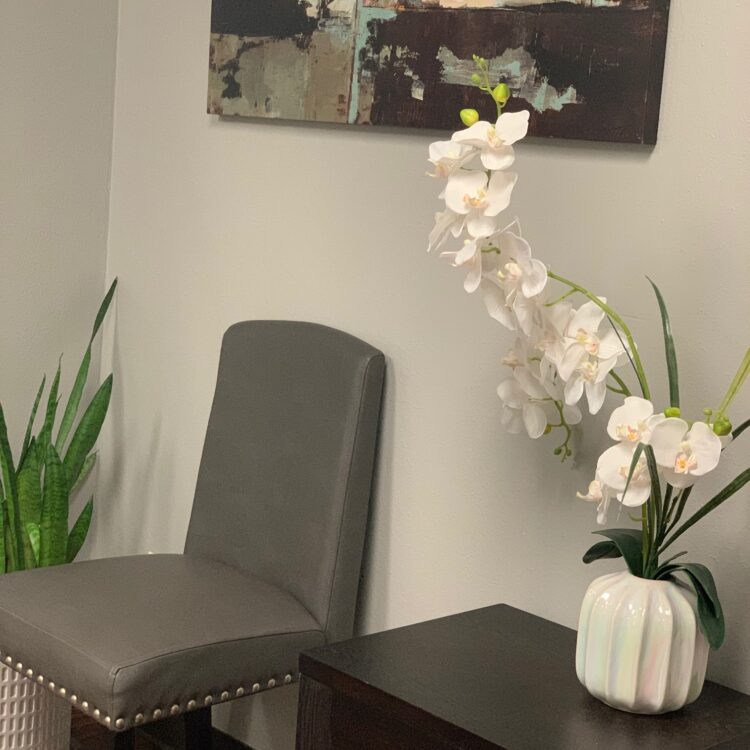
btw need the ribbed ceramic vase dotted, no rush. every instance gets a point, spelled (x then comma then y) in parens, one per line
(639, 645)
(31, 718)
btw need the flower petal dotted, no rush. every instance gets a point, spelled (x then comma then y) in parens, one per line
(706, 447)
(595, 394)
(573, 391)
(462, 184)
(512, 126)
(628, 417)
(498, 158)
(476, 135)
(494, 301)
(665, 439)
(499, 191)
(587, 318)
(534, 278)
(479, 225)
(535, 420)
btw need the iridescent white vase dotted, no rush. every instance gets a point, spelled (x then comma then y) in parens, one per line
(640, 648)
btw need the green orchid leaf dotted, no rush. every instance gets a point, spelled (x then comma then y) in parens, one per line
(669, 349)
(629, 542)
(30, 425)
(633, 464)
(80, 529)
(732, 488)
(739, 430)
(602, 551)
(53, 548)
(33, 535)
(710, 613)
(87, 432)
(653, 471)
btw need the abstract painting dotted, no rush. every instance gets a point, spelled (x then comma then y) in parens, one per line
(588, 69)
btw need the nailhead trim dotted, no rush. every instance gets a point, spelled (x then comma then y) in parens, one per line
(140, 718)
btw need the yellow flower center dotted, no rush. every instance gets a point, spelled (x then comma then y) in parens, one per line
(493, 138)
(588, 341)
(685, 461)
(478, 200)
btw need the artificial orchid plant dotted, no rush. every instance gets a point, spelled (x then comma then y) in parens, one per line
(563, 353)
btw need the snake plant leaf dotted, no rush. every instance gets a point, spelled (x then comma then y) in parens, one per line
(87, 432)
(710, 612)
(53, 546)
(3, 528)
(30, 498)
(88, 465)
(602, 551)
(630, 544)
(30, 425)
(10, 488)
(74, 401)
(45, 434)
(669, 349)
(80, 529)
(103, 308)
(33, 535)
(76, 393)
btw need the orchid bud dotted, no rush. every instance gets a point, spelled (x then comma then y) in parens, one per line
(548, 429)
(722, 427)
(501, 93)
(557, 451)
(672, 411)
(469, 117)
(476, 79)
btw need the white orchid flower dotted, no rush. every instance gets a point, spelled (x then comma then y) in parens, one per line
(495, 142)
(613, 468)
(515, 282)
(686, 453)
(601, 494)
(523, 404)
(479, 199)
(633, 421)
(446, 223)
(449, 156)
(470, 258)
(589, 357)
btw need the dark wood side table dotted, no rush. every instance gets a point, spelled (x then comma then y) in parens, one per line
(492, 678)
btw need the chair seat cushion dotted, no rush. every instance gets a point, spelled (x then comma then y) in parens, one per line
(132, 639)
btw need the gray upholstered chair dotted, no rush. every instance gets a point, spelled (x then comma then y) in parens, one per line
(272, 559)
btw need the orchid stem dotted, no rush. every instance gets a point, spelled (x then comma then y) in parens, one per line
(636, 358)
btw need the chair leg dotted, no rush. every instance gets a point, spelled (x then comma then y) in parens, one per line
(122, 740)
(198, 729)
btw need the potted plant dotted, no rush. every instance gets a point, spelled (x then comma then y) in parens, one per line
(644, 633)
(36, 489)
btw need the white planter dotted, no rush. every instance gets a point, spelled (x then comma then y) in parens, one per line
(639, 645)
(31, 717)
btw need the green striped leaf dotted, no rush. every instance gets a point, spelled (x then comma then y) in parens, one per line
(30, 498)
(45, 435)
(103, 308)
(88, 465)
(80, 529)
(669, 349)
(74, 401)
(30, 425)
(10, 488)
(87, 432)
(53, 547)
(33, 535)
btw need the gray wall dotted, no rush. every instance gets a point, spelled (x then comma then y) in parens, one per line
(214, 222)
(57, 72)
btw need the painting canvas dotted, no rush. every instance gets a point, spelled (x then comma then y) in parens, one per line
(587, 69)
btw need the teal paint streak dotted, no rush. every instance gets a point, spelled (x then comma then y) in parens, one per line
(361, 39)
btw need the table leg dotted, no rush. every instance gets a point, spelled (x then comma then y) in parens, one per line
(314, 716)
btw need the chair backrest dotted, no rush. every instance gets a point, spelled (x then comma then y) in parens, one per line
(284, 483)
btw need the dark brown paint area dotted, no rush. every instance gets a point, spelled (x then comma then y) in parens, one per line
(613, 57)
